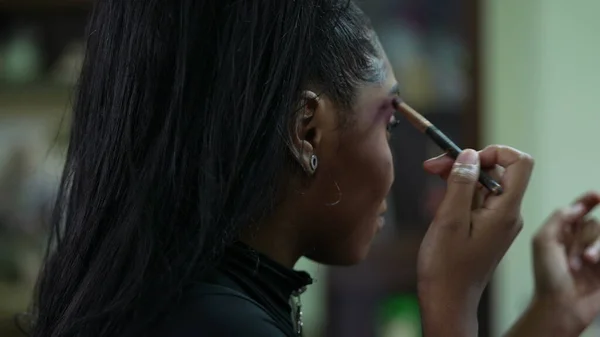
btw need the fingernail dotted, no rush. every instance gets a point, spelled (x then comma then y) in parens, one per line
(467, 165)
(592, 253)
(575, 210)
(436, 158)
(575, 263)
(468, 157)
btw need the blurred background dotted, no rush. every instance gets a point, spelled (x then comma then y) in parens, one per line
(521, 73)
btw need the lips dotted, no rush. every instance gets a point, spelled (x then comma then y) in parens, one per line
(383, 208)
(380, 223)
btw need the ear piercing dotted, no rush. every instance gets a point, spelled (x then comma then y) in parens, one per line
(314, 162)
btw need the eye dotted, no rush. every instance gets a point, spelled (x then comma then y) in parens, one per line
(392, 123)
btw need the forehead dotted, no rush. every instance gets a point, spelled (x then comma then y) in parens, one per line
(380, 71)
(380, 64)
(379, 87)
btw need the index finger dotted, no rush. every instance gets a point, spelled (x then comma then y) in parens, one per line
(571, 215)
(518, 167)
(579, 210)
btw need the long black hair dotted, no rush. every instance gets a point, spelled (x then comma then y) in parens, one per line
(178, 141)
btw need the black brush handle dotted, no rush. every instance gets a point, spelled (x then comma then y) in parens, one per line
(453, 150)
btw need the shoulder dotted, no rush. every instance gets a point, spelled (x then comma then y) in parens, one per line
(213, 310)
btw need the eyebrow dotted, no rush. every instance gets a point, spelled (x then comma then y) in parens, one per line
(394, 90)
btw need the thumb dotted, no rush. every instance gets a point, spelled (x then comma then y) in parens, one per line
(462, 183)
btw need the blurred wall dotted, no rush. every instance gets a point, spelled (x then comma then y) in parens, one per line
(314, 300)
(542, 84)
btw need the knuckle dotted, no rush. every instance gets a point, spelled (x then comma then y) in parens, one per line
(508, 219)
(541, 239)
(500, 147)
(492, 147)
(538, 241)
(561, 214)
(514, 221)
(527, 159)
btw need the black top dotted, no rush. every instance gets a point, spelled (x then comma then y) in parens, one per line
(247, 295)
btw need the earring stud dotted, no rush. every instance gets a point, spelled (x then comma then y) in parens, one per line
(314, 162)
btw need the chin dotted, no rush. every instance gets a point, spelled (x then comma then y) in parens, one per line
(341, 256)
(347, 245)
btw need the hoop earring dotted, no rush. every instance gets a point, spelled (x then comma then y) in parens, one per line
(339, 195)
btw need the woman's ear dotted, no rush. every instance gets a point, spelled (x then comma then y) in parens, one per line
(306, 131)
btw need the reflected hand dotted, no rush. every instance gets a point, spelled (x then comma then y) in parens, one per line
(566, 253)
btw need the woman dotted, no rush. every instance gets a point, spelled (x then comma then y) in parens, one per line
(214, 143)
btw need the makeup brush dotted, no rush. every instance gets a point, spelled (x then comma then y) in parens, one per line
(426, 127)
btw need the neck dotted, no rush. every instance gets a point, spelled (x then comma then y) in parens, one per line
(277, 239)
(278, 236)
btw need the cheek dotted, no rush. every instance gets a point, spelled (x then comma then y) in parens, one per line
(379, 174)
(368, 171)
(363, 169)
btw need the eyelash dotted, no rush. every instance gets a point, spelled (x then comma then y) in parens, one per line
(393, 121)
